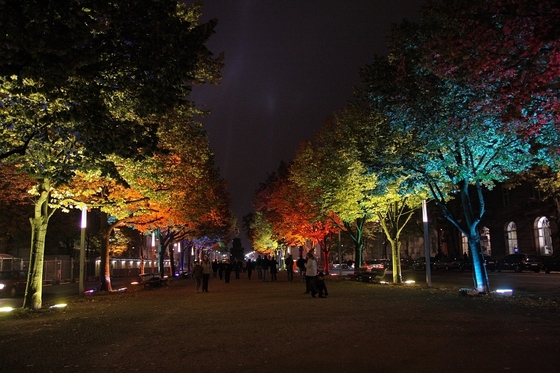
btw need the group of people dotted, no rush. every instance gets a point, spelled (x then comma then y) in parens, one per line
(266, 267)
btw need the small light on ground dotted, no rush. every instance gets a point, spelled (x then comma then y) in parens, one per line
(504, 291)
(410, 282)
(59, 306)
(6, 309)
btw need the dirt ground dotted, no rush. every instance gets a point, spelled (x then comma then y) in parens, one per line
(253, 326)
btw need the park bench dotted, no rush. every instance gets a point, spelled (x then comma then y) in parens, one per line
(152, 280)
(367, 276)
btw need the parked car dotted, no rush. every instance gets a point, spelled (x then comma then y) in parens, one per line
(12, 282)
(420, 263)
(520, 263)
(551, 264)
(466, 265)
(406, 263)
(491, 263)
(375, 264)
(446, 263)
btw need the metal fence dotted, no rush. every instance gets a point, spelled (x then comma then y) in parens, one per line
(66, 269)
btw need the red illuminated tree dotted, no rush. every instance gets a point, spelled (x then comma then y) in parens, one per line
(509, 50)
(295, 219)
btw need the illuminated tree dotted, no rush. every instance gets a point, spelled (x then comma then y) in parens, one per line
(438, 134)
(78, 83)
(295, 217)
(510, 50)
(263, 235)
(333, 166)
(190, 185)
(330, 167)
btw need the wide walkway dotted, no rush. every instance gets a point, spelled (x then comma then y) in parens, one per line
(253, 326)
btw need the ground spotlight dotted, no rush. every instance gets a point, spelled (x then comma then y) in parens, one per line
(58, 307)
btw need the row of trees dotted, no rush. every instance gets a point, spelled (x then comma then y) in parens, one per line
(465, 99)
(94, 109)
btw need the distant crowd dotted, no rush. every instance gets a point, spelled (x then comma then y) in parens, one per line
(266, 267)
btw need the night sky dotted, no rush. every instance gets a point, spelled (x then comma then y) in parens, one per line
(289, 64)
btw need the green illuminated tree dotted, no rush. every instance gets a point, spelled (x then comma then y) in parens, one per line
(333, 166)
(330, 170)
(263, 235)
(81, 81)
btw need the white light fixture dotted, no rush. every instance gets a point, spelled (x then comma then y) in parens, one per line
(59, 306)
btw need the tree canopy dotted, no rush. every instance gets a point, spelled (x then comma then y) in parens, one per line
(83, 81)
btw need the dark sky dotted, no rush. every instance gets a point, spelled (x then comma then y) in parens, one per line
(289, 64)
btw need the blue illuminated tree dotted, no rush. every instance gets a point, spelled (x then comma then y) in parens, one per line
(440, 132)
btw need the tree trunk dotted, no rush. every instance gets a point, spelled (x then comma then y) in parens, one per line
(470, 230)
(39, 222)
(357, 238)
(171, 251)
(480, 274)
(325, 249)
(396, 261)
(105, 265)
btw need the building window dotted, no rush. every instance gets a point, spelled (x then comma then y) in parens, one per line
(464, 244)
(485, 241)
(544, 239)
(511, 233)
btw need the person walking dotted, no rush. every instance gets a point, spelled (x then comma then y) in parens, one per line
(310, 270)
(265, 264)
(197, 275)
(249, 268)
(259, 267)
(290, 267)
(301, 266)
(273, 268)
(221, 270)
(215, 268)
(237, 267)
(206, 270)
(227, 270)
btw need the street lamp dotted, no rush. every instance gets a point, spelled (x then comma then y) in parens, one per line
(153, 249)
(426, 243)
(82, 251)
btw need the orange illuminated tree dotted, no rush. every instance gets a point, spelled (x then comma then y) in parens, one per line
(91, 83)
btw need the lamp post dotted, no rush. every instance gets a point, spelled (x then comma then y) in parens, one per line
(153, 249)
(82, 251)
(426, 243)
